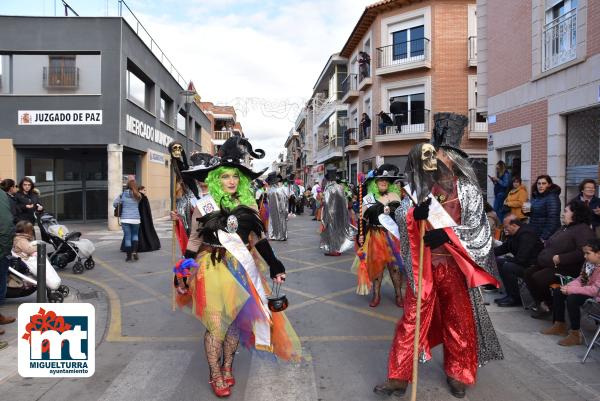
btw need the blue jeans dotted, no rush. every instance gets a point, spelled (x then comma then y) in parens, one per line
(4, 263)
(130, 232)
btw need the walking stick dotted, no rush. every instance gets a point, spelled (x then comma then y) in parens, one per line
(415, 373)
(174, 226)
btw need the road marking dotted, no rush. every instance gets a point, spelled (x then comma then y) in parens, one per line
(150, 375)
(129, 279)
(320, 299)
(272, 381)
(325, 339)
(140, 301)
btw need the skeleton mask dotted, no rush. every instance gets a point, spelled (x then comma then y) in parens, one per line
(176, 151)
(428, 157)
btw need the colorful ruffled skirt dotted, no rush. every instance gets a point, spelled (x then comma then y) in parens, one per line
(379, 249)
(222, 294)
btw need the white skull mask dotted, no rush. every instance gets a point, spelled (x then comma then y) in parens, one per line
(428, 157)
(176, 151)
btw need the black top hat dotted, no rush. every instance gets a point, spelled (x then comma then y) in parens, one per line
(231, 154)
(273, 178)
(331, 172)
(448, 131)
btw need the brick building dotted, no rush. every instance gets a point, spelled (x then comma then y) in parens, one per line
(223, 121)
(539, 85)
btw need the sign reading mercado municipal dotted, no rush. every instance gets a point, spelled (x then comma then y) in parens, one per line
(148, 132)
(60, 117)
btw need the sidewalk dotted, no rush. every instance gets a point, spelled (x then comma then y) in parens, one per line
(80, 291)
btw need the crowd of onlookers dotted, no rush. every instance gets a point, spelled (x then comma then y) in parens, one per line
(544, 265)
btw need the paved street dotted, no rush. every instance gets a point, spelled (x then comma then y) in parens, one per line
(148, 352)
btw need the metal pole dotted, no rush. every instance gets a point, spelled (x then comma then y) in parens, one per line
(415, 372)
(41, 273)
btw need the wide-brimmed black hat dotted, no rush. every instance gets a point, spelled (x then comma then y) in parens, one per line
(231, 154)
(273, 178)
(331, 172)
(386, 171)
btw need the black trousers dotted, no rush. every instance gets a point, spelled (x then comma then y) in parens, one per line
(538, 280)
(510, 272)
(292, 204)
(573, 302)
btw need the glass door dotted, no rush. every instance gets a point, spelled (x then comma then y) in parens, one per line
(69, 189)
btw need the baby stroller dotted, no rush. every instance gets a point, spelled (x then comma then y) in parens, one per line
(22, 280)
(68, 246)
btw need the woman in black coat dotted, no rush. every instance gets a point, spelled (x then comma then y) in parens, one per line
(147, 238)
(9, 186)
(544, 215)
(28, 201)
(562, 254)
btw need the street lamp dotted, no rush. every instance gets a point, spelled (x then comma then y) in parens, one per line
(187, 97)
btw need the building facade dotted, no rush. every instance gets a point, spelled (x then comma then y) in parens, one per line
(539, 84)
(422, 57)
(85, 104)
(223, 123)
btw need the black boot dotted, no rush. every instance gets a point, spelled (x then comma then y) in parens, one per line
(128, 251)
(458, 389)
(391, 387)
(134, 246)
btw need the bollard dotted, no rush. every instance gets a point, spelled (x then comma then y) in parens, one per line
(41, 272)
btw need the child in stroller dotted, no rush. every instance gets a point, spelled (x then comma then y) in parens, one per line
(23, 268)
(67, 246)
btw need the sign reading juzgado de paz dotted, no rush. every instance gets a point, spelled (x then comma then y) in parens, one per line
(60, 117)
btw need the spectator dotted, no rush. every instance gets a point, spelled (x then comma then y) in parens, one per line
(9, 186)
(28, 201)
(492, 218)
(365, 125)
(516, 197)
(587, 195)
(524, 245)
(7, 232)
(22, 242)
(148, 239)
(574, 294)
(501, 184)
(364, 65)
(130, 218)
(544, 212)
(562, 254)
(384, 121)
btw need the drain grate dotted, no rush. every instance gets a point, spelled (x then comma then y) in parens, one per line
(88, 295)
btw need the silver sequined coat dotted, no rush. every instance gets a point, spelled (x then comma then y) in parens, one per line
(476, 237)
(278, 213)
(337, 234)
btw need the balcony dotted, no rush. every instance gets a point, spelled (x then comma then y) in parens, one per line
(350, 88)
(560, 40)
(478, 127)
(220, 137)
(364, 137)
(329, 150)
(351, 140)
(364, 77)
(472, 51)
(403, 56)
(414, 124)
(61, 77)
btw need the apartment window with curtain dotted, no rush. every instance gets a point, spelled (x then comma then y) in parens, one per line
(408, 43)
(559, 32)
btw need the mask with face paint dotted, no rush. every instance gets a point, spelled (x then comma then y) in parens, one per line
(428, 157)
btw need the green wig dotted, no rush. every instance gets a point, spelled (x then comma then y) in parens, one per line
(244, 193)
(372, 188)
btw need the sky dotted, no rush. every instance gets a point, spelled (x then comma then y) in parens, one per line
(261, 56)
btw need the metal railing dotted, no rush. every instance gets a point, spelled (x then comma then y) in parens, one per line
(60, 77)
(349, 84)
(477, 121)
(472, 50)
(560, 40)
(410, 122)
(222, 135)
(351, 136)
(143, 34)
(403, 53)
(364, 133)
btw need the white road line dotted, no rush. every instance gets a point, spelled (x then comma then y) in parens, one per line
(150, 375)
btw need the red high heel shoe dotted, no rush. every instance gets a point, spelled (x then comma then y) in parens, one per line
(220, 392)
(230, 381)
(375, 301)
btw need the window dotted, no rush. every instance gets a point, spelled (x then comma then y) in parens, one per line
(4, 73)
(560, 32)
(408, 43)
(181, 122)
(409, 108)
(62, 72)
(136, 89)
(366, 165)
(166, 107)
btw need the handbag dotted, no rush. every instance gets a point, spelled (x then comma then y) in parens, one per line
(119, 208)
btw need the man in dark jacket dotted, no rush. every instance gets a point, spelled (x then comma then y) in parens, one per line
(524, 244)
(7, 232)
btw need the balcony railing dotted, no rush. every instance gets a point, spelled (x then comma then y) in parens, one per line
(349, 84)
(403, 53)
(61, 77)
(410, 122)
(477, 121)
(364, 133)
(222, 135)
(472, 51)
(351, 136)
(560, 40)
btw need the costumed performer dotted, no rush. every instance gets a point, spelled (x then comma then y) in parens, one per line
(336, 232)
(277, 199)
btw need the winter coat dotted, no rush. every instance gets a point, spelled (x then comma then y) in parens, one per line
(23, 199)
(593, 204)
(591, 289)
(130, 209)
(515, 199)
(544, 216)
(567, 243)
(22, 246)
(7, 227)
(525, 247)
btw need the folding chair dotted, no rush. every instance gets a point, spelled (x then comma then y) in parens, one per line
(593, 313)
